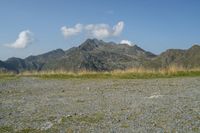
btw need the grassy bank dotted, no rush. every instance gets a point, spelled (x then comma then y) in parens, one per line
(133, 73)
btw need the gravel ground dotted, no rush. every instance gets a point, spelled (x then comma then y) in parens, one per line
(97, 105)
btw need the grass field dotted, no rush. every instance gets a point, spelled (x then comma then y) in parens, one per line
(133, 73)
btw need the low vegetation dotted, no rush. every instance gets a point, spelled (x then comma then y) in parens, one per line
(7, 76)
(132, 73)
(90, 118)
(6, 129)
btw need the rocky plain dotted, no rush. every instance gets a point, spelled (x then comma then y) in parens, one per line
(37, 105)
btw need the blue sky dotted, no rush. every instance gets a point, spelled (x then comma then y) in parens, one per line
(31, 27)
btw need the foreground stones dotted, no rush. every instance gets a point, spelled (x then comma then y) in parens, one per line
(153, 105)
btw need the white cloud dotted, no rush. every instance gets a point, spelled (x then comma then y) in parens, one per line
(99, 31)
(67, 32)
(117, 29)
(24, 38)
(126, 42)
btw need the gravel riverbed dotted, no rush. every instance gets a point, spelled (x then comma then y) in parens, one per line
(100, 105)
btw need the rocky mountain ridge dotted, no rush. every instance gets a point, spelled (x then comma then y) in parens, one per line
(97, 55)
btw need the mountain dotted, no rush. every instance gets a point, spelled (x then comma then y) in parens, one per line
(97, 55)
(4, 67)
(189, 58)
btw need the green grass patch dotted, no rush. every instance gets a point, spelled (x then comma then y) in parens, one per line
(80, 101)
(6, 129)
(90, 118)
(94, 118)
(29, 130)
(7, 77)
(124, 125)
(70, 76)
(130, 75)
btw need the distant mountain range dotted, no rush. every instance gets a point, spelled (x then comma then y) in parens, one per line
(97, 55)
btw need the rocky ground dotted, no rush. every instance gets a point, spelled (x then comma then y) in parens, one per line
(100, 105)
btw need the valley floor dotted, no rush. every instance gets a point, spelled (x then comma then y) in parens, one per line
(100, 105)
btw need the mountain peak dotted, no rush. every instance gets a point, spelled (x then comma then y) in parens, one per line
(92, 40)
(90, 44)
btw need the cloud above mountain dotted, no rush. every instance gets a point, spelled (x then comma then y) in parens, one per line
(99, 31)
(24, 39)
(126, 42)
(71, 31)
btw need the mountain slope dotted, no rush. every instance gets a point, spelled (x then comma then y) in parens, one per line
(34, 62)
(5, 67)
(92, 54)
(2, 66)
(189, 58)
(97, 55)
(102, 56)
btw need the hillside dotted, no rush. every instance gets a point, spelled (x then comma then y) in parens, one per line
(97, 55)
(189, 58)
(92, 54)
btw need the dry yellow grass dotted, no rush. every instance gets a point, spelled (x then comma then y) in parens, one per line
(139, 72)
(168, 70)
